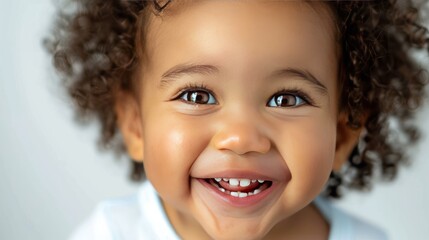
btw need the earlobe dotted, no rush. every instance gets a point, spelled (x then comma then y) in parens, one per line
(129, 123)
(347, 139)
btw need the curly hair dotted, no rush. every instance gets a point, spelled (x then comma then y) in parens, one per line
(95, 49)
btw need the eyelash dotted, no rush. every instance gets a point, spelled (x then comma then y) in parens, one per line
(192, 87)
(294, 92)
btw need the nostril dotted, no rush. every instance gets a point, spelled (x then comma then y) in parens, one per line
(242, 142)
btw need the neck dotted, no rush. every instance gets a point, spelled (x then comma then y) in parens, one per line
(185, 226)
(308, 223)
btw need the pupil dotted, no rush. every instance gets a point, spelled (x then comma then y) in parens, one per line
(285, 100)
(199, 97)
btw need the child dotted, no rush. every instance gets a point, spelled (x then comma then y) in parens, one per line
(244, 112)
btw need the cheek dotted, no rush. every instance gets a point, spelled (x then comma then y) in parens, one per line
(171, 148)
(310, 155)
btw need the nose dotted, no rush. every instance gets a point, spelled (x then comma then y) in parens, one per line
(241, 138)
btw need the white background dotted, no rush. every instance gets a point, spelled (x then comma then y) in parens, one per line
(52, 175)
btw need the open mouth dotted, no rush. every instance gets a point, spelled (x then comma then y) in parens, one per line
(239, 188)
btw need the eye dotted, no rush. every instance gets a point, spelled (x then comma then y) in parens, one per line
(197, 97)
(286, 100)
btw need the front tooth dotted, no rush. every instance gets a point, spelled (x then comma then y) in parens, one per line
(261, 181)
(244, 182)
(234, 194)
(218, 179)
(233, 182)
(242, 195)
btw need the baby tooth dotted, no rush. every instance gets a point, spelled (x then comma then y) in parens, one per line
(226, 179)
(242, 195)
(218, 179)
(244, 182)
(256, 191)
(261, 181)
(222, 189)
(234, 194)
(233, 182)
(253, 180)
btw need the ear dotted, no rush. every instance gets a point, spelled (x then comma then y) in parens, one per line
(129, 122)
(347, 139)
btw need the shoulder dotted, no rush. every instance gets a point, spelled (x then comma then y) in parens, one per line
(347, 227)
(109, 218)
(129, 217)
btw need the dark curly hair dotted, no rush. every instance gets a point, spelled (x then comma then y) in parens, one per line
(96, 49)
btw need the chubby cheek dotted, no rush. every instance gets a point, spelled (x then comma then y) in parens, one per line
(309, 153)
(170, 149)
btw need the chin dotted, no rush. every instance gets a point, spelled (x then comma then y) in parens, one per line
(238, 229)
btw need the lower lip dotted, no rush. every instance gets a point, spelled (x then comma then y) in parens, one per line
(248, 201)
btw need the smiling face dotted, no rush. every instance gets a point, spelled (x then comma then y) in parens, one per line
(233, 93)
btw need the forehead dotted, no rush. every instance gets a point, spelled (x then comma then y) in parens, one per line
(302, 31)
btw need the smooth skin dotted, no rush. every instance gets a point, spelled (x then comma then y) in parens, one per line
(249, 86)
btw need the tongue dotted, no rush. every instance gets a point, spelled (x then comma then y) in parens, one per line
(238, 188)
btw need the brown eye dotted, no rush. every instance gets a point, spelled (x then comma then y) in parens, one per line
(285, 100)
(198, 97)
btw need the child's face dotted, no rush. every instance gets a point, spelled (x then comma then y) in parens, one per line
(264, 77)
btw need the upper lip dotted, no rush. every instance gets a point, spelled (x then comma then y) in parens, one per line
(219, 164)
(239, 174)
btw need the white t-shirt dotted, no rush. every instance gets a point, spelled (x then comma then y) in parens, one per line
(142, 216)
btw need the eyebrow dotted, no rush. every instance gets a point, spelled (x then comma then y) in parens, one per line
(186, 69)
(189, 68)
(302, 74)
